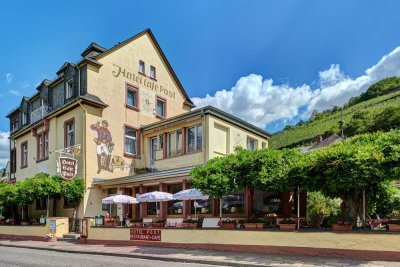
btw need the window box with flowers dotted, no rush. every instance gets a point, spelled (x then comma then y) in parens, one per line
(138, 223)
(340, 223)
(393, 225)
(50, 238)
(190, 223)
(158, 222)
(254, 223)
(112, 222)
(228, 224)
(287, 225)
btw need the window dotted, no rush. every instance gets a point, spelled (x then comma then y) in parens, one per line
(42, 146)
(70, 90)
(194, 138)
(175, 207)
(68, 204)
(69, 133)
(14, 125)
(24, 154)
(251, 144)
(160, 107)
(130, 141)
(234, 203)
(132, 97)
(41, 203)
(174, 143)
(153, 208)
(13, 161)
(141, 67)
(24, 117)
(153, 72)
(161, 141)
(264, 145)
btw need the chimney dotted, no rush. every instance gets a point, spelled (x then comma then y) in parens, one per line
(318, 139)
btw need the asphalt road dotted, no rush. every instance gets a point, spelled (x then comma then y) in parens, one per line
(10, 256)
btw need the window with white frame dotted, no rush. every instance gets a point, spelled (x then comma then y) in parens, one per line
(131, 97)
(160, 107)
(142, 67)
(174, 143)
(70, 134)
(40, 147)
(194, 138)
(130, 141)
(251, 144)
(14, 125)
(46, 144)
(24, 117)
(69, 90)
(24, 154)
(153, 72)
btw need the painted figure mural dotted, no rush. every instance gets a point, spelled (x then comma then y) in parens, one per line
(104, 147)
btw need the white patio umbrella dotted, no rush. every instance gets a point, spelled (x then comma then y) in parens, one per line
(155, 196)
(119, 199)
(190, 194)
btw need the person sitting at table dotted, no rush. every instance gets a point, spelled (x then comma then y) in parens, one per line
(107, 217)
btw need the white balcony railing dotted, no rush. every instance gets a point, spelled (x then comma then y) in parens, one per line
(39, 113)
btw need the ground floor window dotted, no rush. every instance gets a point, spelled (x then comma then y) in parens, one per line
(202, 206)
(41, 203)
(175, 206)
(153, 208)
(266, 203)
(112, 208)
(234, 203)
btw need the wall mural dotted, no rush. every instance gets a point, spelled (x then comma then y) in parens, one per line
(104, 145)
(104, 149)
(237, 140)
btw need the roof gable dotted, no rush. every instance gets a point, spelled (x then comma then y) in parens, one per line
(164, 58)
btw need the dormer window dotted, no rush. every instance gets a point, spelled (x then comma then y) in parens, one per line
(69, 90)
(14, 125)
(142, 67)
(24, 117)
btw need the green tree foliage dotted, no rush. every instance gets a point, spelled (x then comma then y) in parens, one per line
(319, 206)
(73, 189)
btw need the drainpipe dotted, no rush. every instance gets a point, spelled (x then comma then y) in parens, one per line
(204, 137)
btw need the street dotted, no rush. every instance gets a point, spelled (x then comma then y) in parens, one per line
(10, 256)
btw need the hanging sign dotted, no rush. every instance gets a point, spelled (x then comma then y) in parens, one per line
(67, 167)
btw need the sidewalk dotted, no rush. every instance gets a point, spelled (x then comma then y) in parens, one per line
(194, 256)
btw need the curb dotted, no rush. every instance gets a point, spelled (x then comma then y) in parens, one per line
(144, 257)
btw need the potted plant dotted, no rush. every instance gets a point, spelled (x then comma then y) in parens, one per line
(228, 224)
(50, 237)
(270, 220)
(158, 222)
(136, 222)
(393, 225)
(287, 224)
(340, 223)
(254, 223)
(190, 223)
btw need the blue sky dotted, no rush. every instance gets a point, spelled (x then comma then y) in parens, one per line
(269, 62)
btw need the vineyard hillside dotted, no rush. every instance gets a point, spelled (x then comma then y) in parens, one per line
(305, 134)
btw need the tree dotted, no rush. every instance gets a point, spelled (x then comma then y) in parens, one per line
(74, 191)
(319, 206)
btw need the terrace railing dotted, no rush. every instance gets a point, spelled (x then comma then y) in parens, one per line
(39, 113)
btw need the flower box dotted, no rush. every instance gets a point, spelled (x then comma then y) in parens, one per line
(158, 225)
(24, 223)
(229, 226)
(110, 224)
(253, 225)
(341, 227)
(287, 227)
(393, 227)
(189, 225)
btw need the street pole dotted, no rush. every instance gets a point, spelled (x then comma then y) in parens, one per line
(298, 208)
(364, 209)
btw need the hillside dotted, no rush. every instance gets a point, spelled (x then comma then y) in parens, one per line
(305, 133)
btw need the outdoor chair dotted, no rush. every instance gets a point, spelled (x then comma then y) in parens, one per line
(174, 222)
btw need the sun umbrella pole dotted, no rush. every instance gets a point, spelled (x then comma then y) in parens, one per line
(195, 212)
(220, 210)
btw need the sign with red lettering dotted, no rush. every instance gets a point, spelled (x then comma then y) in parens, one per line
(145, 235)
(67, 167)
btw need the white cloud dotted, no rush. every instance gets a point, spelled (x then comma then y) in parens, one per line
(9, 77)
(15, 92)
(260, 101)
(4, 148)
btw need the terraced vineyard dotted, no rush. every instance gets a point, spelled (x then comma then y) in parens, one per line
(306, 133)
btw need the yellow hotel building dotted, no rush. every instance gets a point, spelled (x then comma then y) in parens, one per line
(127, 119)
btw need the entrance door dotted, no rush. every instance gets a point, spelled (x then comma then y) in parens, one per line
(153, 149)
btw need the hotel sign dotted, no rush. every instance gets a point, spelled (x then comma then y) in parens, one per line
(142, 80)
(67, 167)
(145, 235)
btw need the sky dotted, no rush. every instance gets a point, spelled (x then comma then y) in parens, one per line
(269, 62)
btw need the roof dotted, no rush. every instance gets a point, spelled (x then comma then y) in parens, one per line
(152, 37)
(184, 171)
(93, 47)
(210, 110)
(334, 138)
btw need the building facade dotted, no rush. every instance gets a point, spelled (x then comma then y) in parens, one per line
(125, 117)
